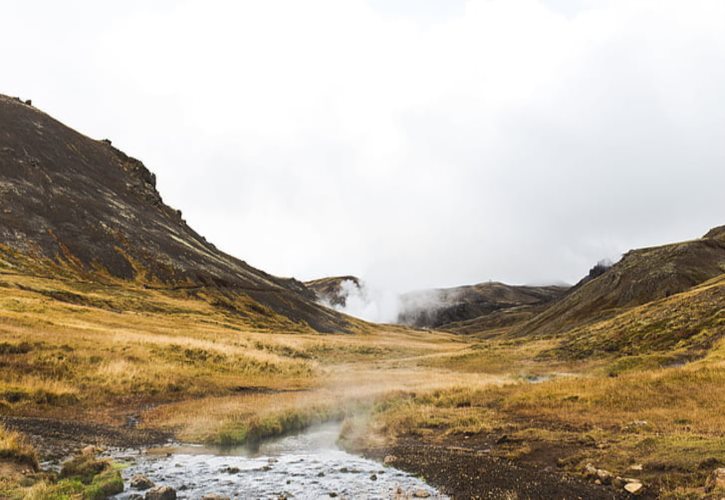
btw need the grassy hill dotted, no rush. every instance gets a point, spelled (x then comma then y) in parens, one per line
(640, 277)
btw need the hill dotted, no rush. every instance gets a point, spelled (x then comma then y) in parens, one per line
(83, 206)
(670, 330)
(640, 277)
(333, 290)
(439, 308)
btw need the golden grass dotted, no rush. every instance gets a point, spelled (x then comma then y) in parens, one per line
(85, 349)
(15, 448)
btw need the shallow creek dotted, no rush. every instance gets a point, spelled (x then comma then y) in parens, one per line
(304, 466)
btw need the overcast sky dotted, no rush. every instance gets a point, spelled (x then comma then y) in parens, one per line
(413, 143)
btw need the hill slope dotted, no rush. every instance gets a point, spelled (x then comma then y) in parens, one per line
(640, 277)
(85, 205)
(680, 327)
(440, 307)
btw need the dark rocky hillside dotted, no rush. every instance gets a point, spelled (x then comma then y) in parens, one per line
(331, 290)
(88, 206)
(441, 307)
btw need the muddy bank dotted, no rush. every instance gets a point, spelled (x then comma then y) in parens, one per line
(465, 470)
(56, 439)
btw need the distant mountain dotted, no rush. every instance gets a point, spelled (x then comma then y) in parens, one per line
(88, 207)
(439, 308)
(640, 277)
(333, 290)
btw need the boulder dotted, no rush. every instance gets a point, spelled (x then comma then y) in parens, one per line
(161, 493)
(140, 482)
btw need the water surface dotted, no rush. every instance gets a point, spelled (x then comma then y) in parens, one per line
(305, 466)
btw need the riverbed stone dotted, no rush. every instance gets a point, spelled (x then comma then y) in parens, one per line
(161, 493)
(140, 482)
(389, 459)
(215, 496)
(421, 493)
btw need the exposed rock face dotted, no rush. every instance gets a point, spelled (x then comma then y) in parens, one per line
(87, 205)
(438, 308)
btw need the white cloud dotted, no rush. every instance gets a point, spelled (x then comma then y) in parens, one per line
(416, 146)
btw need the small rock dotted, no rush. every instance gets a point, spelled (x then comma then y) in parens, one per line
(590, 471)
(161, 493)
(716, 480)
(389, 459)
(140, 482)
(604, 476)
(214, 496)
(421, 493)
(373, 477)
(232, 470)
(635, 467)
(618, 482)
(637, 426)
(332, 494)
(344, 470)
(135, 496)
(634, 488)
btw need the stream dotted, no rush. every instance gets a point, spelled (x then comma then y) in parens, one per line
(309, 465)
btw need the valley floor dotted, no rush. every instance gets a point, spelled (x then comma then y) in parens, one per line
(111, 364)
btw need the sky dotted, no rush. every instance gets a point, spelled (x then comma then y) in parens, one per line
(412, 143)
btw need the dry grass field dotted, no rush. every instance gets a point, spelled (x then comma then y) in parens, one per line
(102, 351)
